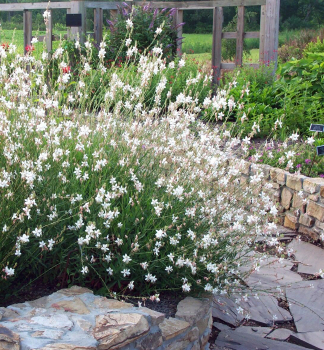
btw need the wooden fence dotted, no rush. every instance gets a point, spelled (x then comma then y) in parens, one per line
(268, 34)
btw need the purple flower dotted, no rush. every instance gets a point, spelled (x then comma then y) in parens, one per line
(298, 166)
(307, 161)
(321, 175)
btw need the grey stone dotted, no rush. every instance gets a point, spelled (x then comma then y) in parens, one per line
(151, 342)
(53, 321)
(193, 310)
(260, 331)
(243, 341)
(273, 273)
(226, 310)
(260, 308)
(221, 326)
(172, 327)
(311, 340)
(311, 258)
(8, 339)
(306, 305)
(280, 334)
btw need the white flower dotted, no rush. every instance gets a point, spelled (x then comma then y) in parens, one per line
(34, 41)
(273, 210)
(186, 287)
(131, 285)
(126, 259)
(129, 24)
(158, 31)
(125, 272)
(128, 42)
(181, 63)
(84, 270)
(47, 14)
(9, 271)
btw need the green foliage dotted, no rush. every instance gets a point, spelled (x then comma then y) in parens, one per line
(145, 21)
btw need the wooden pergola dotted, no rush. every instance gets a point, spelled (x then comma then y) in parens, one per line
(268, 34)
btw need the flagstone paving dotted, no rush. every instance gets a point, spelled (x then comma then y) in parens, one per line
(297, 323)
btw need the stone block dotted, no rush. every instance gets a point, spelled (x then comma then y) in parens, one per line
(319, 225)
(195, 345)
(171, 327)
(310, 232)
(298, 203)
(244, 167)
(193, 335)
(306, 220)
(275, 185)
(286, 197)
(311, 185)
(75, 305)
(156, 317)
(313, 197)
(203, 340)
(178, 345)
(322, 191)
(9, 340)
(66, 346)
(75, 290)
(193, 310)
(265, 169)
(116, 330)
(316, 210)
(291, 221)
(151, 342)
(111, 304)
(278, 176)
(295, 182)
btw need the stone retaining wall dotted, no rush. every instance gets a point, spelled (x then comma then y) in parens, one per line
(300, 199)
(75, 319)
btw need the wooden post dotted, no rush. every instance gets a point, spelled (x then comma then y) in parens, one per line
(262, 34)
(240, 36)
(271, 32)
(79, 33)
(217, 44)
(98, 19)
(49, 32)
(27, 21)
(179, 19)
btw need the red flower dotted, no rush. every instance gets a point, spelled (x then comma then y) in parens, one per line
(29, 48)
(66, 69)
(5, 46)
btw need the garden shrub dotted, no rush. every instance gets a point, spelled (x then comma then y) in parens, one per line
(147, 23)
(127, 198)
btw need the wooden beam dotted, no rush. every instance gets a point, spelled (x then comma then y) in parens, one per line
(183, 5)
(271, 32)
(217, 43)
(231, 65)
(240, 36)
(98, 19)
(262, 33)
(34, 6)
(27, 22)
(192, 5)
(247, 35)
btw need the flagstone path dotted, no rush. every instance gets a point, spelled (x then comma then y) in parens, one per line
(288, 310)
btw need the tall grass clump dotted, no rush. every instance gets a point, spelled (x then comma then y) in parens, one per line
(134, 195)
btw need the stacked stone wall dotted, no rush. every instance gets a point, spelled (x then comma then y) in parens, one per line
(299, 199)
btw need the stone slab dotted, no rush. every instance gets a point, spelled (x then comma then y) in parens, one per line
(311, 340)
(273, 273)
(221, 326)
(310, 256)
(172, 327)
(119, 329)
(260, 331)
(243, 341)
(306, 305)
(9, 340)
(260, 309)
(192, 310)
(280, 334)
